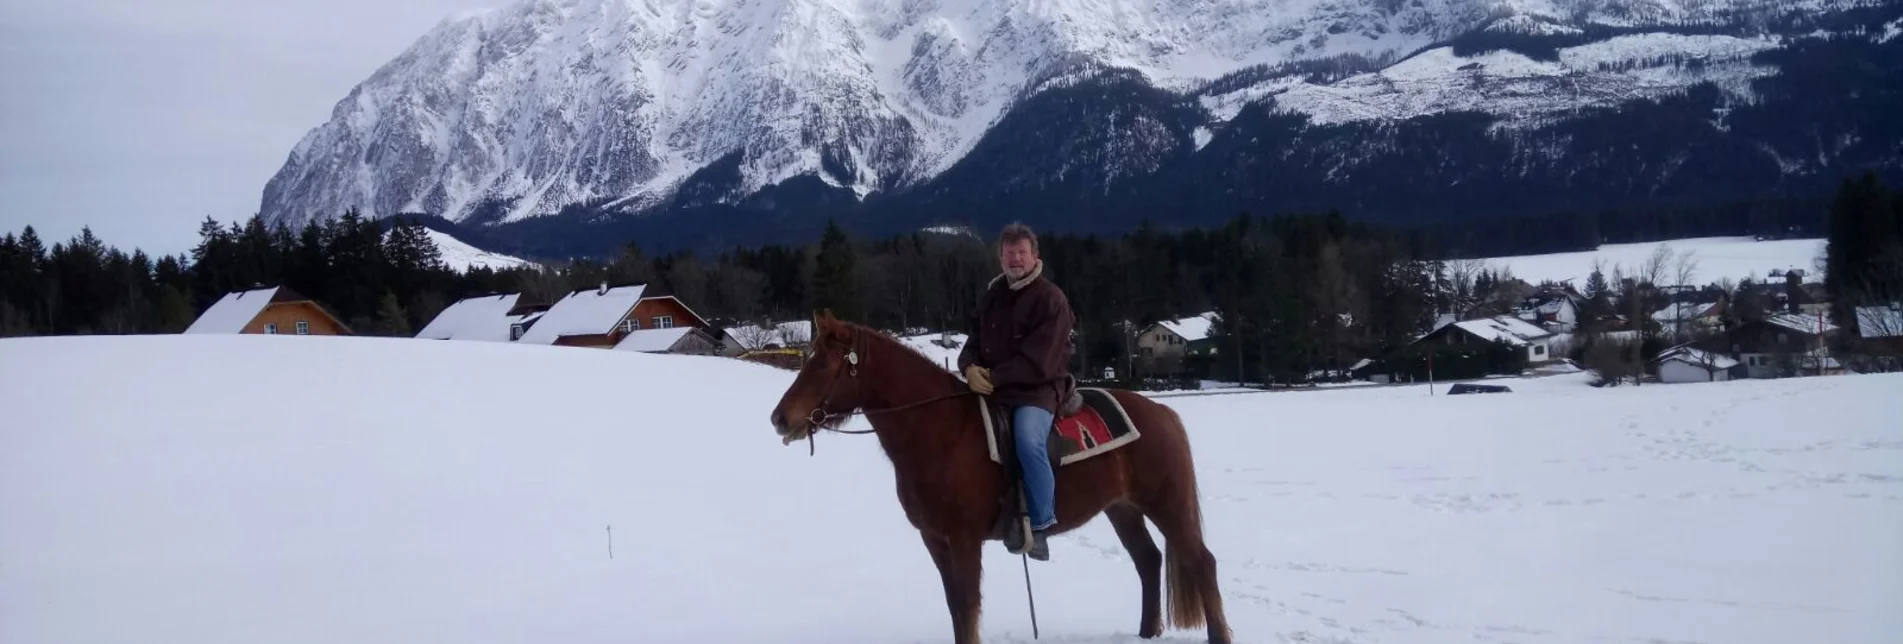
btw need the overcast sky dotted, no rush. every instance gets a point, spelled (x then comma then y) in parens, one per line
(140, 118)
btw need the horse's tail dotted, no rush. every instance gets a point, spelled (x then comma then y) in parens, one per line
(1187, 561)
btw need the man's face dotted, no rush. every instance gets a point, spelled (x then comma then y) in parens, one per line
(1018, 258)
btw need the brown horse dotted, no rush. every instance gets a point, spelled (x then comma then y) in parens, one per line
(930, 428)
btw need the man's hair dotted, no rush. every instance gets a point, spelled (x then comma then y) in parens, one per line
(1017, 231)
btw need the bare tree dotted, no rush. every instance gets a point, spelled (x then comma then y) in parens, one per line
(1656, 266)
(1460, 275)
(1710, 361)
(753, 336)
(1684, 268)
(1610, 361)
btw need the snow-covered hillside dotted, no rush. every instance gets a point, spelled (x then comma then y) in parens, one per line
(1718, 258)
(1511, 84)
(157, 489)
(547, 103)
(462, 257)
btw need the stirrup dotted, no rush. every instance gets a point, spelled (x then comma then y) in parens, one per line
(1018, 540)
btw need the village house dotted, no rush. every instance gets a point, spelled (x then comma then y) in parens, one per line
(1688, 319)
(604, 316)
(1515, 332)
(1554, 308)
(1687, 364)
(1163, 346)
(1880, 335)
(681, 339)
(1780, 345)
(483, 318)
(269, 311)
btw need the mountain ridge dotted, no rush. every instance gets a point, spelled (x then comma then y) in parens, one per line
(752, 105)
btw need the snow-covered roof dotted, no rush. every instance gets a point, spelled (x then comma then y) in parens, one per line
(585, 312)
(1698, 357)
(1193, 328)
(1680, 311)
(1806, 324)
(484, 318)
(1511, 329)
(1879, 322)
(653, 340)
(233, 311)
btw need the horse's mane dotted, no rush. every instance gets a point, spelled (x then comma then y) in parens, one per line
(888, 343)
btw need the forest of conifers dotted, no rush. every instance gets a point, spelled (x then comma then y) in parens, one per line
(1297, 293)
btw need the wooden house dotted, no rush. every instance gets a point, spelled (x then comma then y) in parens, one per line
(1515, 332)
(1779, 346)
(603, 317)
(1164, 346)
(276, 310)
(500, 317)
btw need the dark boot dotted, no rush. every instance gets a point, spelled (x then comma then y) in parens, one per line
(1039, 549)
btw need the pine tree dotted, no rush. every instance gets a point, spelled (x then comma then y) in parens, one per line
(391, 319)
(833, 281)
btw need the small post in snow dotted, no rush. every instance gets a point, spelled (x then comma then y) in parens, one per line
(611, 541)
(1430, 373)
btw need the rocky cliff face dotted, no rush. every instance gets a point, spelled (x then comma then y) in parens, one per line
(657, 107)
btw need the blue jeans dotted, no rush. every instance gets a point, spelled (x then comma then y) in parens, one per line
(1033, 428)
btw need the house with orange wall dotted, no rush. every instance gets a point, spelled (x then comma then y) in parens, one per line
(270, 311)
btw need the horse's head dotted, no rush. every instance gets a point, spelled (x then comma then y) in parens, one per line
(828, 385)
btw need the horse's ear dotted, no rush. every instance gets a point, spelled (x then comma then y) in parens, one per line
(824, 324)
(832, 326)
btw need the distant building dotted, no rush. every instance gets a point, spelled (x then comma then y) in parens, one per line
(1780, 345)
(603, 317)
(1163, 346)
(1554, 308)
(276, 310)
(1686, 364)
(1535, 341)
(483, 318)
(681, 339)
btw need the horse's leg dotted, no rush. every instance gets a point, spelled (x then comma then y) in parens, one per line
(1195, 598)
(1128, 521)
(960, 568)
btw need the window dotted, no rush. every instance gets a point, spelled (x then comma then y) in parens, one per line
(303, 327)
(663, 321)
(1539, 350)
(630, 325)
(271, 328)
(515, 332)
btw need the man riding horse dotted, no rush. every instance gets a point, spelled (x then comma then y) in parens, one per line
(1020, 356)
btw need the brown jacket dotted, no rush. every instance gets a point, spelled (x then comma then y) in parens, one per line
(1023, 337)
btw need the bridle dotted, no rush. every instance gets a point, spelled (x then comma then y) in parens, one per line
(820, 418)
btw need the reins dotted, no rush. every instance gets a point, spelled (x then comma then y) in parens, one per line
(820, 417)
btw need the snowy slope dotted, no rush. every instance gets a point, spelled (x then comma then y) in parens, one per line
(378, 501)
(1511, 84)
(462, 256)
(1733, 258)
(547, 103)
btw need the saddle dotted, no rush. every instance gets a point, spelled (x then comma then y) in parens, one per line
(1088, 422)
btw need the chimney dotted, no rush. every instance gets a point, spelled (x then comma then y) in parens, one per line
(604, 288)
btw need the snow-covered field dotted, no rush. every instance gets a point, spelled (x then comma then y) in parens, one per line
(1718, 258)
(213, 489)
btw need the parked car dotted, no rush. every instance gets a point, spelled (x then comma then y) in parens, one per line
(1469, 388)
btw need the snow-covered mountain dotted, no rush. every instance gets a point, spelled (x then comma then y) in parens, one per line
(630, 106)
